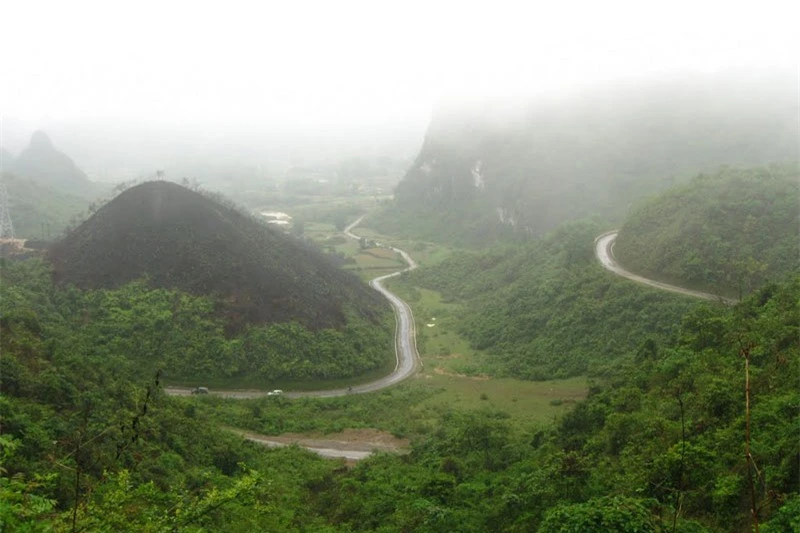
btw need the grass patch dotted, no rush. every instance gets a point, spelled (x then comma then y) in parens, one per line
(438, 342)
(527, 402)
(456, 370)
(424, 253)
(399, 410)
(412, 409)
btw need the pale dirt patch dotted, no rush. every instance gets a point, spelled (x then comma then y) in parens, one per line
(14, 246)
(442, 372)
(349, 440)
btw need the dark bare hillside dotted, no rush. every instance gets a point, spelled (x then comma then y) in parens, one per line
(178, 238)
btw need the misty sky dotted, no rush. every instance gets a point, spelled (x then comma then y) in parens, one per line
(341, 62)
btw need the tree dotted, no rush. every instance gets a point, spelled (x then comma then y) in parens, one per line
(600, 515)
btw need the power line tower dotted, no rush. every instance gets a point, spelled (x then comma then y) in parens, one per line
(6, 226)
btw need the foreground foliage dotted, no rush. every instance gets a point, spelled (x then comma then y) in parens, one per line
(88, 443)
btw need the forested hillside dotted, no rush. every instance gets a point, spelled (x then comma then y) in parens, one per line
(729, 231)
(660, 448)
(547, 309)
(483, 174)
(140, 330)
(89, 445)
(180, 239)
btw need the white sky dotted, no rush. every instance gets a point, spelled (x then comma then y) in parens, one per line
(343, 62)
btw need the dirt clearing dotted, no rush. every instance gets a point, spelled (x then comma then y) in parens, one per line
(352, 444)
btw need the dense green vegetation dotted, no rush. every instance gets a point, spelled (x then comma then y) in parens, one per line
(690, 425)
(179, 238)
(547, 309)
(728, 231)
(658, 447)
(145, 330)
(483, 174)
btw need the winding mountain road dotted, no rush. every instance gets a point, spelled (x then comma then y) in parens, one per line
(604, 251)
(406, 355)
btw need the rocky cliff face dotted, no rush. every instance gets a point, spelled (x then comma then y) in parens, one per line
(595, 153)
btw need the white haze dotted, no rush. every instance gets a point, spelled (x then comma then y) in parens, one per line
(334, 63)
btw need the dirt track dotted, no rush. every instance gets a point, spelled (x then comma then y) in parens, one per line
(405, 347)
(350, 444)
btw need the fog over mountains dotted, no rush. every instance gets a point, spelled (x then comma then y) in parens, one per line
(44, 163)
(217, 154)
(529, 168)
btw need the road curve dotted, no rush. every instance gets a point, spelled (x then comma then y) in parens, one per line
(604, 251)
(406, 353)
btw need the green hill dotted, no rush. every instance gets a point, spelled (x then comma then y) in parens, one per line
(181, 239)
(546, 308)
(729, 231)
(658, 446)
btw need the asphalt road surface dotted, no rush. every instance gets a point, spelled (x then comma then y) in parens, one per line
(406, 353)
(604, 250)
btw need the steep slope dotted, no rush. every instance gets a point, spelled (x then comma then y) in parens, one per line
(545, 309)
(41, 161)
(728, 231)
(179, 238)
(482, 173)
